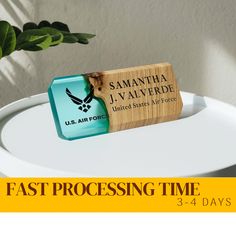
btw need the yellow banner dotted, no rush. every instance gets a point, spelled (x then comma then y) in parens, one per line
(118, 195)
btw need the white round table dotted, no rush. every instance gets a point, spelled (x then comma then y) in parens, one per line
(200, 142)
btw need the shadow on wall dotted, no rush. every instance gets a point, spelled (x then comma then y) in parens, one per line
(16, 10)
(133, 32)
(18, 73)
(17, 78)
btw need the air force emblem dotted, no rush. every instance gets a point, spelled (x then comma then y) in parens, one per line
(83, 104)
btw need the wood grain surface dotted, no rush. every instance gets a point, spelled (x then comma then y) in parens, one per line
(138, 96)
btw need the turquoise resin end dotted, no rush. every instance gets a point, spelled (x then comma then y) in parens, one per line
(77, 113)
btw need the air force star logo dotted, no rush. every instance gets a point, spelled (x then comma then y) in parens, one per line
(83, 104)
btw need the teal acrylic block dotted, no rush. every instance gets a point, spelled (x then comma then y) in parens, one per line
(77, 113)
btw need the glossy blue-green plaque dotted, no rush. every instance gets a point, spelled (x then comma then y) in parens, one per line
(77, 113)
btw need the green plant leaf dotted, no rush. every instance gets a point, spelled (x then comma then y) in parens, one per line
(83, 41)
(60, 26)
(39, 44)
(57, 36)
(7, 38)
(34, 40)
(44, 23)
(37, 37)
(0, 53)
(69, 37)
(17, 31)
(84, 35)
(29, 26)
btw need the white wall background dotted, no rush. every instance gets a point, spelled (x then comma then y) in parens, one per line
(197, 36)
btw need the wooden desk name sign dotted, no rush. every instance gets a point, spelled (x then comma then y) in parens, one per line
(116, 100)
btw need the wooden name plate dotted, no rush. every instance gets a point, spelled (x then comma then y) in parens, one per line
(138, 96)
(90, 104)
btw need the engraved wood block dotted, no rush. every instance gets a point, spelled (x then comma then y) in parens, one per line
(138, 96)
